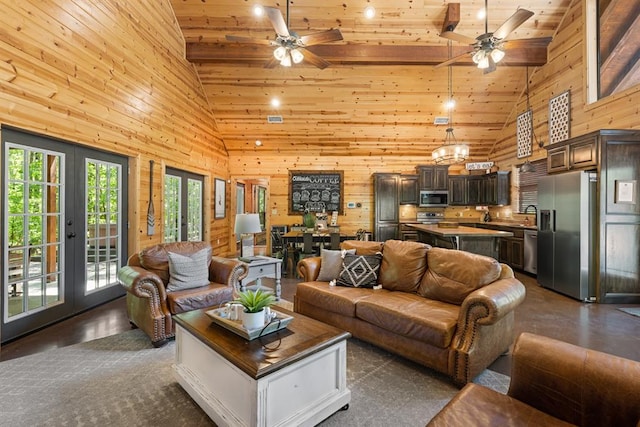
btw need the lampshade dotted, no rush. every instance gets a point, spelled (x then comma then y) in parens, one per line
(497, 54)
(297, 56)
(527, 167)
(247, 224)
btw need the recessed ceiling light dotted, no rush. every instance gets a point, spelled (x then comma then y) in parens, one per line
(369, 12)
(450, 104)
(275, 102)
(258, 143)
(258, 10)
(482, 13)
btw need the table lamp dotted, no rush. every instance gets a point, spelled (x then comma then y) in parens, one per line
(246, 226)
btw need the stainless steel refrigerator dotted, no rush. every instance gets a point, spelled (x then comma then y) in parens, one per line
(566, 233)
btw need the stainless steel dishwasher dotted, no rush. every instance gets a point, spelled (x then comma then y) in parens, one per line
(531, 251)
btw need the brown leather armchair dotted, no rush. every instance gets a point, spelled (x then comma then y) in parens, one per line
(553, 383)
(149, 304)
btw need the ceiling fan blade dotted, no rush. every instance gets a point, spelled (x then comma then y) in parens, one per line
(492, 66)
(457, 37)
(277, 20)
(271, 63)
(321, 37)
(314, 59)
(513, 22)
(241, 39)
(533, 42)
(452, 60)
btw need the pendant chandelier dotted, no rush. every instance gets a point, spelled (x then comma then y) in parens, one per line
(451, 151)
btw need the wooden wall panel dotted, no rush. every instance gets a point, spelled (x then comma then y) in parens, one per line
(112, 75)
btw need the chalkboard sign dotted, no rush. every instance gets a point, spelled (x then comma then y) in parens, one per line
(315, 191)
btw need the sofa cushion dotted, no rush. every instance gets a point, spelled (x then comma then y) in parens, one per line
(476, 405)
(360, 271)
(188, 271)
(403, 265)
(412, 316)
(331, 264)
(156, 260)
(362, 247)
(336, 299)
(452, 275)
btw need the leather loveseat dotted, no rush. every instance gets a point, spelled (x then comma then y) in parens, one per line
(449, 310)
(553, 383)
(151, 301)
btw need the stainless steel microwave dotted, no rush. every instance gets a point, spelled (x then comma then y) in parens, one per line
(433, 198)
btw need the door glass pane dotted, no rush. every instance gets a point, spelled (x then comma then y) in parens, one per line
(172, 208)
(102, 206)
(194, 208)
(32, 196)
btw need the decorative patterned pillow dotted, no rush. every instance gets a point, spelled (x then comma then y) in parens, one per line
(360, 271)
(188, 271)
(331, 264)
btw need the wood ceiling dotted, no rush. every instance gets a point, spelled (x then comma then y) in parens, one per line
(380, 95)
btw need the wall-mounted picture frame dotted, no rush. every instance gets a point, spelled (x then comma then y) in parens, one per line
(220, 198)
(524, 135)
(316, 191)
(559, 117)
(625, 191)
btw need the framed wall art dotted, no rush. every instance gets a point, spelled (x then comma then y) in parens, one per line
(316, 191)
(220, 198)
(559, 116)
(524, 133)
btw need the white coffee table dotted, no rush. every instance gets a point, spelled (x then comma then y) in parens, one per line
(293, 377)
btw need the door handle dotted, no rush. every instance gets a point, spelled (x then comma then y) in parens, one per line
(71, 235)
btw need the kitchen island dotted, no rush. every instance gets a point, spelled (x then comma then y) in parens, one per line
(476, 240)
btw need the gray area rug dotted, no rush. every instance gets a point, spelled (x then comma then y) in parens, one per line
(122, 380)
(634, 311)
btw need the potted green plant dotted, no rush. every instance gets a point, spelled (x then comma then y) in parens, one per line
(254, 303)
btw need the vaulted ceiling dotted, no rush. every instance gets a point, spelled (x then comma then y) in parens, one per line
(381, 93)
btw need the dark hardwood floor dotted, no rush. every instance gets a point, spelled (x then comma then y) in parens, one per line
(597, 326)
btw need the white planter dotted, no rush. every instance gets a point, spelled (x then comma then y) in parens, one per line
(253, 320)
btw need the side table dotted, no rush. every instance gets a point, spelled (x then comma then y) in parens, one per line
(263, 266)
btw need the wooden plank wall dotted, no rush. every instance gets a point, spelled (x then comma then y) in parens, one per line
(112, 75)
(566, 70)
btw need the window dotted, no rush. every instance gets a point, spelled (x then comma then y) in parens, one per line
(183, 206)
(528, 188)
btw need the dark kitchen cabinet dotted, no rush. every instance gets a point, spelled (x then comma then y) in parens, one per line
(409, 189)
(433, 177)
(574, 153)
(511, 251)
(386, 195)
(458, 190)
(489, 189)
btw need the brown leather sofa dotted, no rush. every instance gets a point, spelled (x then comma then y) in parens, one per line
(553, 383)
(449, 310)
(150, 305)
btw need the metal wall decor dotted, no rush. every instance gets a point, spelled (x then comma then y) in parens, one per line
(559, 115)
(524, 132)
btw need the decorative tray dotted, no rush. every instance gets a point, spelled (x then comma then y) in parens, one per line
(279, 322)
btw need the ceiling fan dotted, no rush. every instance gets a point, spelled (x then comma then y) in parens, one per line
(290, 47)
(489, 48)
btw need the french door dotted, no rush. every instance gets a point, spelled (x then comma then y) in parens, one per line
(64, 229)
(183, 206)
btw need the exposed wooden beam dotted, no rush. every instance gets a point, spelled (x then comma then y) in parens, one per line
(355, 54)
(452, 18)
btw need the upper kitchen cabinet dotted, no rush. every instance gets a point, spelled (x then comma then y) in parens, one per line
(433, 177)
(575, 153)
(497, 188)
(458, 190)
(409, 189)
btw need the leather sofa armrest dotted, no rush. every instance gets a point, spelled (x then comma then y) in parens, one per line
(227, 271)
(142, 283)
(491, 303)
(575, 384)
(309, 268)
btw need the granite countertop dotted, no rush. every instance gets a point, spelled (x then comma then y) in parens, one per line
(495, 223)
(460, 231)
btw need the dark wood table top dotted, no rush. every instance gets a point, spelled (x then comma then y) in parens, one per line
(262, 356)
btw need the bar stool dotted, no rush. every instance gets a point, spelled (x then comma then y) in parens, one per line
(335, 241)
